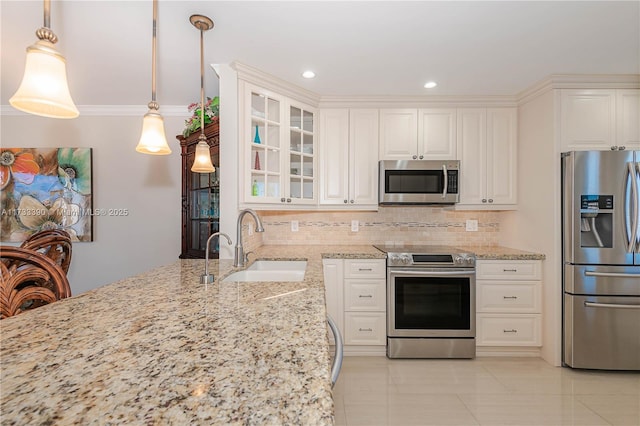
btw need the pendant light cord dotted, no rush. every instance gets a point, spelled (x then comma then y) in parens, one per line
(153, 104)
(202, 136)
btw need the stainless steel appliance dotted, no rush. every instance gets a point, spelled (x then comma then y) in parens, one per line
(601, 259)
(418, 182)
(431, 302)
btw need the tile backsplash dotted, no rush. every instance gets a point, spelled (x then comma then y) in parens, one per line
(408, 225)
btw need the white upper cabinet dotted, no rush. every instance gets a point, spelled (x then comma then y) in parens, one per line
(599, 119)
(398, 134)
(278, 149)
(349, 158)
(487, 141)
(418, 134)
(628, 118)
(437, 133)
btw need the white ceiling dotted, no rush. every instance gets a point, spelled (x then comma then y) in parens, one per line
(355, 48)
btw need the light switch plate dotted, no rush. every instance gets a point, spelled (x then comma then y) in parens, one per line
(294, 226)
(354, 225)
(472, 225)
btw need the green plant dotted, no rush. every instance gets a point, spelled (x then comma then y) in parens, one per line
(211, 114)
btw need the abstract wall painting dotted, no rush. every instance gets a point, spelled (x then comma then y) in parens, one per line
(45, 188)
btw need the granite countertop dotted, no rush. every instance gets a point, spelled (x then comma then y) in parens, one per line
(503, 253)
(160, 348)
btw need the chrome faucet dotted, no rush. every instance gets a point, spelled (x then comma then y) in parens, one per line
(207, 278)
(240, 259)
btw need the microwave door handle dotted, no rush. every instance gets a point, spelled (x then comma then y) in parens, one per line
(446, 181)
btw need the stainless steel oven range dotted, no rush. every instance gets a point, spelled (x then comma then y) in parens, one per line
(430, 302)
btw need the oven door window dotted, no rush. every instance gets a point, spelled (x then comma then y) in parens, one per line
(433, 303)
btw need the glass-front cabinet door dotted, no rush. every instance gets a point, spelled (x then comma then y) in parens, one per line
(281, 160)
(302, 162)
(265, 140)
(204, 217)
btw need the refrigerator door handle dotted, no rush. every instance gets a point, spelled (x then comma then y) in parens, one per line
(631, 209)
(637, 201)
(610, 305)
(610, 274)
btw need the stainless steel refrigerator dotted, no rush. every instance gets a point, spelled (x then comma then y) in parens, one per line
(601, 259)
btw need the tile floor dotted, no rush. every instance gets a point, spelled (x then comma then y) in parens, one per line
(484, 391)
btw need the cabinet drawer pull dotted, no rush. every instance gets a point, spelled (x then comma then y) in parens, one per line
(365, 295)
(510, 331)
(509, 270)
(510, 297)
(365, 329)
(365, 269)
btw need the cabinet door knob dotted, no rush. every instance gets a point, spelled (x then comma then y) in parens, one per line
(491, 200)
(484, 200)
(415, 157)
(351, 201)
(622, 148)
(282, 200)
(421, 157)
(614, 147)
(345, 201)
(288, 200)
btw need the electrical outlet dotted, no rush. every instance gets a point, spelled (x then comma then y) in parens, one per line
(354, 225)
(294, 226)
(472, 225)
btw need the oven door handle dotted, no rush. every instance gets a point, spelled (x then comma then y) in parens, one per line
(427, 273)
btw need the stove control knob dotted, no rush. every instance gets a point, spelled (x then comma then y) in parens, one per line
(405, 259)
(468, 259)
(458, 260)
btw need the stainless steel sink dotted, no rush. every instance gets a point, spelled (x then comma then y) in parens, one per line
(270, 270)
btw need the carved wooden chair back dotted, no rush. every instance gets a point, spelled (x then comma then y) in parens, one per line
(53, 243)
(29, 279)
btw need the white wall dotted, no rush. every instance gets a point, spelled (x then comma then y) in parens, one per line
(148, 186)
(535, 226)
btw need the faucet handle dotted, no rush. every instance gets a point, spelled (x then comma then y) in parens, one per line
(246, 256)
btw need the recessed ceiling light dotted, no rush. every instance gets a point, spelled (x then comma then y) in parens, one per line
(430, 84)
(308, 74)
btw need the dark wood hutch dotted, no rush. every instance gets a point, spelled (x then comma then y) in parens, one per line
(200, 196)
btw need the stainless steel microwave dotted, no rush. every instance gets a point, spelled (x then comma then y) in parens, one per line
(418, 182)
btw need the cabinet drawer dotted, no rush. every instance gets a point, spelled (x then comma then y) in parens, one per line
(365, 268)
(509, 330)
(364, 295)
(507, 296)
(508, 270)
(365, 328)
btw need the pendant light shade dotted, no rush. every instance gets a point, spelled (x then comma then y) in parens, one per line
(202, 162)
(44, 90)
(153, 139)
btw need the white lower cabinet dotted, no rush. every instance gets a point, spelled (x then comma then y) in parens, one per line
(508, 304)
(365, 328)
(356, 299)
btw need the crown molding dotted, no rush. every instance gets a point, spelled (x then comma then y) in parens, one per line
(112, 110)
(270, 82)
(416, 101)
(579, 81)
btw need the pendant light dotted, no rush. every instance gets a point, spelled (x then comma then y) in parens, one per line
(44, 90)
(202, 163)
(153, 140)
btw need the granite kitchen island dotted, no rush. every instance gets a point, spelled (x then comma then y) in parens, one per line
(161, 348)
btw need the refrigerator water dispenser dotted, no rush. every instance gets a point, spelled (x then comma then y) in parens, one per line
(596, 221)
